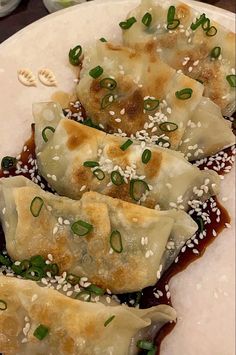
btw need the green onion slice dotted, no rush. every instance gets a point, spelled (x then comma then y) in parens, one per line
(184, 94)
(8, 163)
(215, 52)
(163, 141)
(99, 174)
(200, 224)
(21, 268)
(231, 80)
(116, 241)
(173, 25)
(44, 132)
(146, 156)
(108, 321)
(168, 126)
(126, 145)
(212, 31)
(16, 269)
(150, 104)
(96, 290)
(34, 273)
(91, 163)
(138, 188)
(102, 39)
(96, 72)
(107, 100)
(73, 279)
(81, 228)
(75, 54)
(145, 345)
(116, 178)
(198, 22)
(84, 296)
(125, 25)
(3, 305)
(206, 24)
(4, 260)
(52, 268)
(153, 351)
(147, 19)
(41, 332)
(171, 14)
(38, 261)
(108, 83)
(36, 206)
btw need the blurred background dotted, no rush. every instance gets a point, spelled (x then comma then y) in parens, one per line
(23, 12)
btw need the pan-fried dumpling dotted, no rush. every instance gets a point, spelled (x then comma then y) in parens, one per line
(117, 245)
(139, 95)
(190, 42)
(37, 320)
(77, 158)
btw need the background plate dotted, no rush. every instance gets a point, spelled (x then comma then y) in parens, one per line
(203, 295)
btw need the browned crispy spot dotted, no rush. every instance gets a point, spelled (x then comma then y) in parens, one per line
(95, 86)
(81, 175)
(134, 105)
(67, 344)
(76, 135)
(152, 168)
(183, 12)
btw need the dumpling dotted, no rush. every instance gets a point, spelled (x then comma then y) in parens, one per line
(136, 94)
(37, 320)
(188, 41)
(77, 158)
(116, 245)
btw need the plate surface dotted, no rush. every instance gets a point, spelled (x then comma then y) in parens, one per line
(203, 295)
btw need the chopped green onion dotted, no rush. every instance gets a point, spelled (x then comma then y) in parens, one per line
(41, 332)
(116, 241)
(44, 134)
(150, 104)
(206, 24)
(91, 163)
(108, 83)
(95, 289)
(146, 156)
(125, 25)
(231, 80)
(215, 52)
(184, 94)
(163, 141)
(84, 296)
(168, 126)
(36, 206)
(75, 54)
(4, 260)
(38, 261)
(81, 228)
(99, 174)
(138, 188)
(145, 345)
(52, 268)
(3, 305)
(108, 321)
(198, 22)
(147, 19)
(8, 163)
(212, 31)
(102, 39)
(24, 266)
(73, 279)
(34, 273)
(171, 14)
(138, 298)
(153, 351)
(107, 100)
(200, 224)
(16, 269)
(126, 145)
(173, 25)
(96, 72)
(116, 178)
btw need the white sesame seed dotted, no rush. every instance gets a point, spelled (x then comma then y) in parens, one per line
(55, 230)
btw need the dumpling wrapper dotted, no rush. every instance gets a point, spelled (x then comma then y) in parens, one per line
(142, 74)
(187, 50)
(75, 327)
(92, 255)
(172, 180)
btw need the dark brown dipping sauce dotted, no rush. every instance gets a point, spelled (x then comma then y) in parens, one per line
(158, 294)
